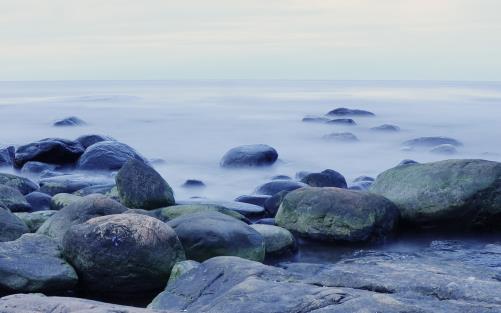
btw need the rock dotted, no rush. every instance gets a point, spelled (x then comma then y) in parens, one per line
(13, 200)
(79, 212)
(140, 186)
(361, 185)
(11, 226)
(246, 209)
(106, 189)
(363, 178)
(39, 201)
(122, 253)
(24, 185)
(266, 221)
(181, 268)
(273, 203)
(451, 193)
(70, 121)
(278, 240)
(253, 199)
(71, 183)
(275, 186)
(36, 302)
(342, 121)
(33, 263)
(107, 156)
(35, 219)
(249, 156)
(341, 137)
(49, 150)
(350, 112)
(281, 177)
(7, 154)
(172, 212)
(88, 140)
(210, 234)
(326, 178)
(193, 183)
(61, 200)
(445, 149)
(387, 128)
(335, 214)
(36, 168)
(315, 119)
(407, 161)
(429, 142)
(301, 174)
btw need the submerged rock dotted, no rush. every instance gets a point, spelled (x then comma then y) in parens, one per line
(35, 219)
(275, 186)
(71, 183)
(49, 150)
(342, 121)
(326, 178)
(24, 185)
(388, 128)
(350, 112)
(11, 226)
(33, 263)
(253, 199)
(193, 183)
(429, 142)
(454, 193)
(278, 240)
(210, 234)
(315, 119)
(107, 156)
(88, 140)
(39, 201)
(249, 156)
(123, 253)
(335, 214)
(7, 154)
(36, 168)
(140, 186)
(70, 121)
(341, 137)
(445, 149)
(13, 200)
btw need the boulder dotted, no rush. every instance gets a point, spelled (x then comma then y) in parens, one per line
(273, 203)
(277, 240)
(107, 156)
(341, 137)
(33, 263)
(210, 234)
(35, 219)
(11, 226)
(253, 199)
(281, 177)
(193, 183)
(7, 155)
(79, 212)
(301, 174)
(445, 149)
(14, 200)
(429, 142)
(88, 140)
(249, 156)
(109, 190)
(275, 186)
(140, 186)
(180, 268)
(386, 128)
(349, 112)
(450, 193)
(266, 221)
(172, 212)
(326, 178)
(122, 254)
(49, 150)
(61, 200)
(71, 183)
(342, 121)
(39, 201)
(335, 214)
(70, 121)
(245, 209)
(37, 168)
(24, 185)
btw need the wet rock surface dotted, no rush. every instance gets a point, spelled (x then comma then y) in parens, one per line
(249, 156)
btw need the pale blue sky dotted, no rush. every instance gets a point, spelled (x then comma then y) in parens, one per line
(252, 39)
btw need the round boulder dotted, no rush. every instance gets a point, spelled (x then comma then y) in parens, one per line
(123, 253)
(349, 112)
(277, 240)
(71, 183)
(24, 185)
(445, 149)
(275, 186)
(326, 178)
(107, 156)
(49, 150)
(88, 140)
(342, 121)
(39, 201)
(429, 142)
(12, 199)
(386, 128)
(249, 156)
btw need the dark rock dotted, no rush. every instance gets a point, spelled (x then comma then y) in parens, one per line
(33, 263)
(350, 112)
(39, 201)
(281, 177)
(35, 167)
(429, 142)
(11, 226)
(249, 156)
(253, 199)
(210, 234)
(388, 128)
(445, 149)
(342, 121)
(326, 178)
(246, 209)
(122, 253)
(266, 221)
(7, 155)
(24, 185)
(35, 219)
(71, 183)
(315, 119)
(301, 174)
(140, 186)
(407, 161)
(275, 186)
(70, 121)
(335, 214)
(341, 137)
(107, 156)
(278, 240)
(273, 203)
(193, 183)
(175, 211)
(49, 150)
(88, 140)
(13, 200)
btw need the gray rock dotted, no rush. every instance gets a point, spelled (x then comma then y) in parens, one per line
(349, 112)
(266, 221)
(61, 200)
(49, 150)
(11, 226)
(33, 263)
(249, 156)
(387, 128)
(70, 121)
(363, 178)
(445, 149)
(246, 209)
(341, 137)
(210, 234)
(253, 199)
(35, 219)
(7, 154)
(140, 186)
(71, 183)
(326, 178)
(39, 201)
(24, 185)
(109, 190)
(275, 186)
(273, 203)
(315, 119)
(122, 253)
(107, 156)
(429, 142)
(361, 185)
(407, 161)
(88, 140)
(180, 268)
(14, 200)
(172, 212)
(36, 168)
(281, 177)
(193, 183)
(278, 240)
(342, 121)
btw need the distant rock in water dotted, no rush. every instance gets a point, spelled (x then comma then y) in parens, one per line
(49, 150)
(250, 156)
(342, 121)
(326, 178)
(107, 156)
(363, 178)
(315, 119)
(407, 161)
(445, 149)
(70, 121)
(429, 142)
(193, 183)
(39, 201)
(341, 137)
(386, 128)
(7, 156)
(349, 112)
(284, 177)
(88, 140)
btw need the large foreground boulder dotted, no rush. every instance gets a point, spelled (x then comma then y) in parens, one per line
(79, 212)
(210, 234)
(452, 193)
(249, 156)
(33, 263)
(49, 150)
(140, 186)
(11, 226)
(12, 199)
(24, 185)
(335, 214)
(107, 156)
(122, 253)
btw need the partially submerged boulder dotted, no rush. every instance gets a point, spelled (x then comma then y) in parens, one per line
(326, 178)
(349, 112)
(24, 185)
(249, 156)
(88, 140)
(49, 150)
(39, 201)
(341, 137)
(278, 240)
(70, 121)
(107, 155)
(275, 186)
(429, 142)
(71, 183)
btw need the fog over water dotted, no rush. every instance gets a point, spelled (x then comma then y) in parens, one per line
(191, 124)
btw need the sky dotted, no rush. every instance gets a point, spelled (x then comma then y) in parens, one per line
(251, 39)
